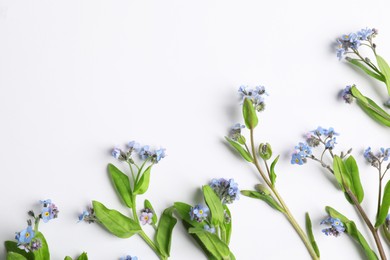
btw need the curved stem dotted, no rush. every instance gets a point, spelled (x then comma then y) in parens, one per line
(287, 213)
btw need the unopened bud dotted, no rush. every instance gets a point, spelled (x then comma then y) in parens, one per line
(265, 151)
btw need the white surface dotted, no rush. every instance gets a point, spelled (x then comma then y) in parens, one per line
(78, 77)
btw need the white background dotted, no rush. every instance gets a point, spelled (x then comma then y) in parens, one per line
(79, 77)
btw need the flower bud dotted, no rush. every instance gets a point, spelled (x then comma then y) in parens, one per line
(265, 151)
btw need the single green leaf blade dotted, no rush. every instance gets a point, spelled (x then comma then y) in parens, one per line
(12, 246)
(148, 205)
(164, 231)
(15, 256)
(68, 258)
(353, 171)
(310, 235)
(143, 184)
(244, 154)
(272, 171)
(122, 184)
(249, 113)
(385, 205)
(215, 205)
(43, 252)
(357, 63)
(264, 197)
(228, 225)
(115, 222)
(385, 69)
(212, 243)
(83, 256)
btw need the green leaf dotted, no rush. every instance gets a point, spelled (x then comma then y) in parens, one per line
(115, 222)
(83, 256)
(183, 210)
(353, 171)
(371, 108)
(264, 197)
(357, 62)
(15, 256)
(164, 231)
(42, 253)
(385, 205)
(68, 258)
(385, 69)
(386, 233)
(272, 175)
(122, 184)
(212, 243)
(249, 114)
(143, 184)
(227, 225)
(247, 156)
(148, 205)
(351, 229)
(12, 246)
(340, 173)
(310, 235)
(215, 205)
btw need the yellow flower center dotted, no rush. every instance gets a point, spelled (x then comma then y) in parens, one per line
(146, 217)
(47, 214)
(297, 160)
(200, 211)
(27, 235)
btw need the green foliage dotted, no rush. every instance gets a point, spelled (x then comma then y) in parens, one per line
(351, 229)
(164, 231)
(15, 256)
(385, 69)
(43, 253)
(264, 197)
(385, 205)
(148, 205)
(227, 226)
(358, 63)
(12, 246)
(247, 156)
(310, 235)
(215, 205)
(249, 113)
(115, 222)
(143, 183)
(272, 174)
(122, 184)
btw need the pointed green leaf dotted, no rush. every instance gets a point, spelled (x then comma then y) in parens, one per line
(227, 225)
(15, 256)
(42, 253)
(264, 197)
(183, 210)
(148, 205)
(384, 208)
(115, 222)
(247, 156)
(341, 174)
(143, 183)
(310, 235)
(385, 69)
(164, 231)
(249, 114)
(272, 171)
(83, 256)
(357, 62)
(212, 243)
(68, 258)
(351, 229)
(353, 171)
(215, 205)
(122, 184)
(12, 246)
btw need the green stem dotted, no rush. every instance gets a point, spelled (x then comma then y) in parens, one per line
(287, 213)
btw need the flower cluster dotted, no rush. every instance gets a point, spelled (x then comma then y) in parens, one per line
(346, 94)
(256, 95)
(376, 160)
(199, 213)
(128, 257)
(88, 216)
(227, 190)
(25, 239)
(352, 41)
(49, 210)
(146, 216)
(336, 226)
(314, 138)
(144, 152)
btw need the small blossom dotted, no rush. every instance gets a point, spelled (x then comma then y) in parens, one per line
(304, 148)
(385, 153)
(36, 244)
(158, 154)
(340, 52)
(128, 257)
(210, 229)
(25, 237)
(227, 190)
(255, 95)
(88, 216)
(199, 213)
(145, 152)
(365, 34)
(134, 146)
(146, 218)
(330, 143)
(118, 154)
(346, 42)
(298, 158)
(45, 202)
(235, 131)
(347, 94)
(336, 226)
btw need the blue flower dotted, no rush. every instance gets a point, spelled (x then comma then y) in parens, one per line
(158, 154)
(199, 213)
(227, 190)
(340, 52)
(255, 95)
(145, 152)
(88, 216)
(346, 94)
(45, 202)
(134, 146)
(210, 229)
(298, 158)
(49, 211)
(385, 153)
(116, 153)
(365, 34)
(128, 257)
(235, 131)
(304, 148)
(25, 236)
(336, 226)
(319, 131)
(46, 215)
(83, 215)
(330, 143)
